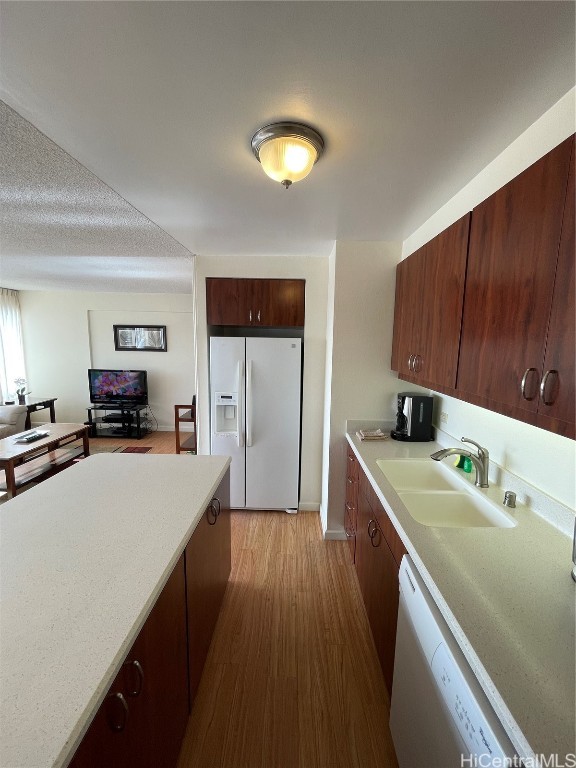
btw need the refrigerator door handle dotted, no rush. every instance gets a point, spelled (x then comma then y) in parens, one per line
(248, 403)
(240, 406)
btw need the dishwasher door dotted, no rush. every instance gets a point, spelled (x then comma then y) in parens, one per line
(439, 715)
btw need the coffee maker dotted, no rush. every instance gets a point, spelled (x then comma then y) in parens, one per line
(413, 417)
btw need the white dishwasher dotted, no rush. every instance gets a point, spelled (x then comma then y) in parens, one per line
(439, 715)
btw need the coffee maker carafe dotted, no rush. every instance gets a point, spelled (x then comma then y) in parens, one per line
(413, 417)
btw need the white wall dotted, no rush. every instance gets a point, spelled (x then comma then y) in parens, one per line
(361, 385)
(315, 271)
(65, 333)
(539, 457)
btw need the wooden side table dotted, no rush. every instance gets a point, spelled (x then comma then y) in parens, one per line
(37, 404)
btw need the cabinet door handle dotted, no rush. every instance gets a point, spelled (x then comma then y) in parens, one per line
(528, 374)
(258, 315)
(545, 379)
(350, 480)
(112, 722)
(212, 512)
(417, 364)
(351, 458)
(411, 363)
(372, 533)
(250, 316)
(349, 506)
(138, 667)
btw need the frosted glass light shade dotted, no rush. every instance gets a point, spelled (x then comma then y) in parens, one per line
(287, 151)
(287, 159)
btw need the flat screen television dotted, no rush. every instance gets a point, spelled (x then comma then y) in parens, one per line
(118, 387)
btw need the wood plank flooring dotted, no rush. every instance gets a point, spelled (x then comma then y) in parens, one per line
(292, 679)
(160, 442)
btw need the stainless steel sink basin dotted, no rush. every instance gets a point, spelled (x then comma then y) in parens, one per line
(435, 495)
(455, 510)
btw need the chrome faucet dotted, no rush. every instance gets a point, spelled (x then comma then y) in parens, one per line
(481, 460)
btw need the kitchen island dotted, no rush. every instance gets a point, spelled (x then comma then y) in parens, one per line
(84, 557)
(509, 599)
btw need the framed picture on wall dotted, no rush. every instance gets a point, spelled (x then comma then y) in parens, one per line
(140, 338)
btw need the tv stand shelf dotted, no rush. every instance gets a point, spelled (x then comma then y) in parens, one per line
(125, 420)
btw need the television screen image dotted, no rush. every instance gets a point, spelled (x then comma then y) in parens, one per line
(121, 387)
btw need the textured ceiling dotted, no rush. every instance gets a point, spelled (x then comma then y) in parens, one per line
(58, 220)
(159, 100)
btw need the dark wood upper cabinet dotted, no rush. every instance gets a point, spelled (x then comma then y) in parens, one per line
(512, 268)
(228, 301)
(557, 390)
(428, 308)
(255, 302)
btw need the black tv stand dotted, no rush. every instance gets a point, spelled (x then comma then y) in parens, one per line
(126, 416)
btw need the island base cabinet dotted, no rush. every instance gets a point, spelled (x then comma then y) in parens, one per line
(208, 563)
(143, 718)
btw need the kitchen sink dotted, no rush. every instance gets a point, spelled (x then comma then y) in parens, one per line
(435, 495)
(419, 475)
(451, 509)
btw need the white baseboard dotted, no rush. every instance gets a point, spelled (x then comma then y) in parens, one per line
(306, 506)
(335, 534)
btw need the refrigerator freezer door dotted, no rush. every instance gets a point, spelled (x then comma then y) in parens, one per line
(227, 376)
(273, 422)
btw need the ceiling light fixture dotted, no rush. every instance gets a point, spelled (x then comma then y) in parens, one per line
(287, 151)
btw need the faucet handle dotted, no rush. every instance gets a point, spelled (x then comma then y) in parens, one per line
(482, 452)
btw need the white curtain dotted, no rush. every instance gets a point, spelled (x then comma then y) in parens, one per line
(11, 347)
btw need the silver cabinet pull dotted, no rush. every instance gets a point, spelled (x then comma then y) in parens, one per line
(258, 315)
(528, 373)
(118, 698)
(543, 385)
(350, 480)
(417, 364)
(137, 690)
(250, 316)
(349, 506)
(371, 534)
(411, 363)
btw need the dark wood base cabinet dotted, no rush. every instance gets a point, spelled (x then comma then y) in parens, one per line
(143, 718)
(379, 551)
(351, 510)
(208, 563)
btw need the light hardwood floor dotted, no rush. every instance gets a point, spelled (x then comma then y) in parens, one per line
(159, 442)
(292, 679)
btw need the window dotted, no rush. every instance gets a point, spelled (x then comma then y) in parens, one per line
(11, 348)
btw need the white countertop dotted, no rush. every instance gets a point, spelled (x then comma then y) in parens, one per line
(84, 556)
(508, 596)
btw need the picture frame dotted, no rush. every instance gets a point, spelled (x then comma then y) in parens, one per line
(140, 338)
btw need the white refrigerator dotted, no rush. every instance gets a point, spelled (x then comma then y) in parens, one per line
(255, 394)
